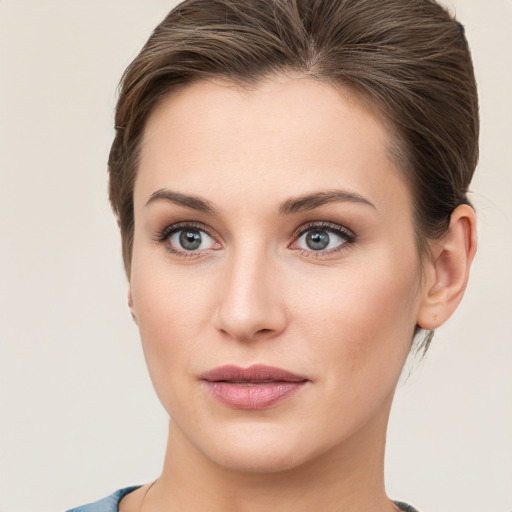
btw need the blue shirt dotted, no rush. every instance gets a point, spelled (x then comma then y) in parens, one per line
(108, 504)
(111, 503)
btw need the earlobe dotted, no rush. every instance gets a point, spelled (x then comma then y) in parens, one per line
(130, 305)
(449, 269)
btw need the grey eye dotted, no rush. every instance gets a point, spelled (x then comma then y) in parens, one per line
(191, 239)
(317, 240)
(321, 239)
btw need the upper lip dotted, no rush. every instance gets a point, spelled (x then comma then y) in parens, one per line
(253, 373)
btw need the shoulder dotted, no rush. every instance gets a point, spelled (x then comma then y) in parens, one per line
(108, 504)
(406, 508)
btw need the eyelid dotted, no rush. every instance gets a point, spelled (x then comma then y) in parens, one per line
(168, 230)
(327, 226)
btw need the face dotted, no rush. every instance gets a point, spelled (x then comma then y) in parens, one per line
(275, 277)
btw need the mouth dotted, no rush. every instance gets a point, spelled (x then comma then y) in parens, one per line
(255, 387)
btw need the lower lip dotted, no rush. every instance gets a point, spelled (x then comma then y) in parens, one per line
(253, 396)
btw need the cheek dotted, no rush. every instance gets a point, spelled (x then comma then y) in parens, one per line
(172, 315)
(361, 319)
(168, 299)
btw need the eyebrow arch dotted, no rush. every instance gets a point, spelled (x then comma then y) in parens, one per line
(188, 201)
(316, 199)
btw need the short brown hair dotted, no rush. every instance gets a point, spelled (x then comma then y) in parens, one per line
(408, 58)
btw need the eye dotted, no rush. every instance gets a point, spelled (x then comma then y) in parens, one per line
(322, 238)
(191, 239)
(187, 240)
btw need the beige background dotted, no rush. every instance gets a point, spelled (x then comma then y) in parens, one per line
(78, 414)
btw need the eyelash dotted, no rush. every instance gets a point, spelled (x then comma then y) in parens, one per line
(348, 237)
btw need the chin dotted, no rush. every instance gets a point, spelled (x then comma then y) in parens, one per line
(260, 450)
(257, 460)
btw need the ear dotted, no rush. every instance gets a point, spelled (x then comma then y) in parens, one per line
(130, 305)
(448, 270)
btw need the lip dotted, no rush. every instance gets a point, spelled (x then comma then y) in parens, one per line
(255, 387)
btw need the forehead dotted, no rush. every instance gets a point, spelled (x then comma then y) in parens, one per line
(286, 135)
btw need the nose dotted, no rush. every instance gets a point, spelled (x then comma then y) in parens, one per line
(251, 304)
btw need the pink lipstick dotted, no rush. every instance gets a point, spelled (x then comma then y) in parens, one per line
(255, 387)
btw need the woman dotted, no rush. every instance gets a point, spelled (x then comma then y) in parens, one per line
(290, 182)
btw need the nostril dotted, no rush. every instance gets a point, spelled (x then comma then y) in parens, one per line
(264, 334)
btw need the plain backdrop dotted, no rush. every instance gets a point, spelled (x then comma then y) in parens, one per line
(79, 418)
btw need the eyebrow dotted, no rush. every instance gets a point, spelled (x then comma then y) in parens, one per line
(188, 201)
(316, 199)
(289, 206)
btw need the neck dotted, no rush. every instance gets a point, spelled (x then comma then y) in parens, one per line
(349, 477)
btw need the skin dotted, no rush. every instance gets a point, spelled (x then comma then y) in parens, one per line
(256, 293)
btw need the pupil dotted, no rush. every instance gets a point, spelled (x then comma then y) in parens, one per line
(317, 240)
(190, 240)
